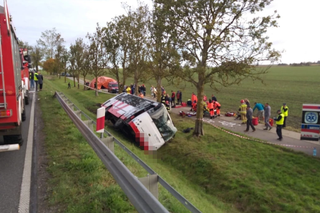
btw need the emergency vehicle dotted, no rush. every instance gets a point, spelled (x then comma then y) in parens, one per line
(12, 111)
(148, 121)
(26, 64)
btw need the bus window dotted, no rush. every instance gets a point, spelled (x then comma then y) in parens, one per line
(162, 120)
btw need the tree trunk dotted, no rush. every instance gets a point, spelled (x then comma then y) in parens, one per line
(198, 129)
(159, 82)
(84, 82)
(96, 86)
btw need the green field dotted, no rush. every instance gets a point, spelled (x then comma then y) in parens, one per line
(217, 172)
(282, 84)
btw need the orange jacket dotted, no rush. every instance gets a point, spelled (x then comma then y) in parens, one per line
(210, 105)
(216, 104)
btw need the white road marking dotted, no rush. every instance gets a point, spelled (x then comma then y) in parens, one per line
(26, 177)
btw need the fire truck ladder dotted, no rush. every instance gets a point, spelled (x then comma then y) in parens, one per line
(4, 104)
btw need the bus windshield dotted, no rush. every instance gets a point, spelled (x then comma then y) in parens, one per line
(162, 120)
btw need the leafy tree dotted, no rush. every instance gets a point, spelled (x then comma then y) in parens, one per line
(49, 65)
(111, 40)
(72, 63)
(97, 53)
(220, 41)
(79, 58)
(36, 56)
(138, 38)
(164, 59)
(59, 58)
(86, 66)
(49, 42)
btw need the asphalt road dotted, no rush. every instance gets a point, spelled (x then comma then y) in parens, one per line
(12, 169)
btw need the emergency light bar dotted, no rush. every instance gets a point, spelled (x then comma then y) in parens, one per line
(4, 113)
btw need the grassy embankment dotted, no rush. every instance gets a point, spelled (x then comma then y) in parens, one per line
(283, 84)
(217, 173)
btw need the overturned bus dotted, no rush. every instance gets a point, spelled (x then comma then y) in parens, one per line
(148, 121)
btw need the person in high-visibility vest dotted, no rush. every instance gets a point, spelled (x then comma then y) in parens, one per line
(210, 107)
(128, 90)
(36, 80)
(31, 77)
(279, 121)
(243, 111)
(217, 106)
(284, 110)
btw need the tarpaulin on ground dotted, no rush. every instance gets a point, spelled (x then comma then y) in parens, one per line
(103, 82)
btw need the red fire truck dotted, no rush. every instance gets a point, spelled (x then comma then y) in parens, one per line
(26, 64)
(12, 111)
(148, 121)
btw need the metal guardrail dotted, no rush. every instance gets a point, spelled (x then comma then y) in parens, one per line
(167, 186)
(139, 196)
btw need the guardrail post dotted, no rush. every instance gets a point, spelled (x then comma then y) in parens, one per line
(109, 143)
(151, 183)
(71, 106)
(78, 113)
(89, 123)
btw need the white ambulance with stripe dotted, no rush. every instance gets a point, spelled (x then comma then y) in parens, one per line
(148, 121)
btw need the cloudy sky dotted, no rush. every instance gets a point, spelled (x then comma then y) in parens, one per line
(298, 35)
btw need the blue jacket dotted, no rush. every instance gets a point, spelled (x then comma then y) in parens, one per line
(259, 106)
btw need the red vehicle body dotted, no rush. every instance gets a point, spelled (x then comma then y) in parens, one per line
(26, 64)
(12, 111)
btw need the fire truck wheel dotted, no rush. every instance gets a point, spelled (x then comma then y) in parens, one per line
(12, 139)
(23, 115)
(26, 100)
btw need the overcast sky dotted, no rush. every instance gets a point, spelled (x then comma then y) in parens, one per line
(298, 34)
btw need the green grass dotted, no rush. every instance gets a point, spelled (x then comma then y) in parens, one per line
(282, 84)
(219, 172)
(88, 103)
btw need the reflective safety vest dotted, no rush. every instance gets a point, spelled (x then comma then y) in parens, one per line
(243, 108)
(210, 105)
(36, 76)
(285, 113)
(128, 90)
(281, 121)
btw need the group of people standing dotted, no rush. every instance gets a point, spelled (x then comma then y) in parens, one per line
(35, 78)
(264, 113)
(212, 106)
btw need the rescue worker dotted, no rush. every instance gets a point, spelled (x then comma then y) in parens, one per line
(249, 119)
(279, 121)
(173, 98)
(36, 80)
(210, 107)
(179, 96)
(128, 90)
(194, 106)
(213, 98)
(243, 112)
(194, 98)
(284, 111)
(217, 106)
(31, 77)
(141, 95)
